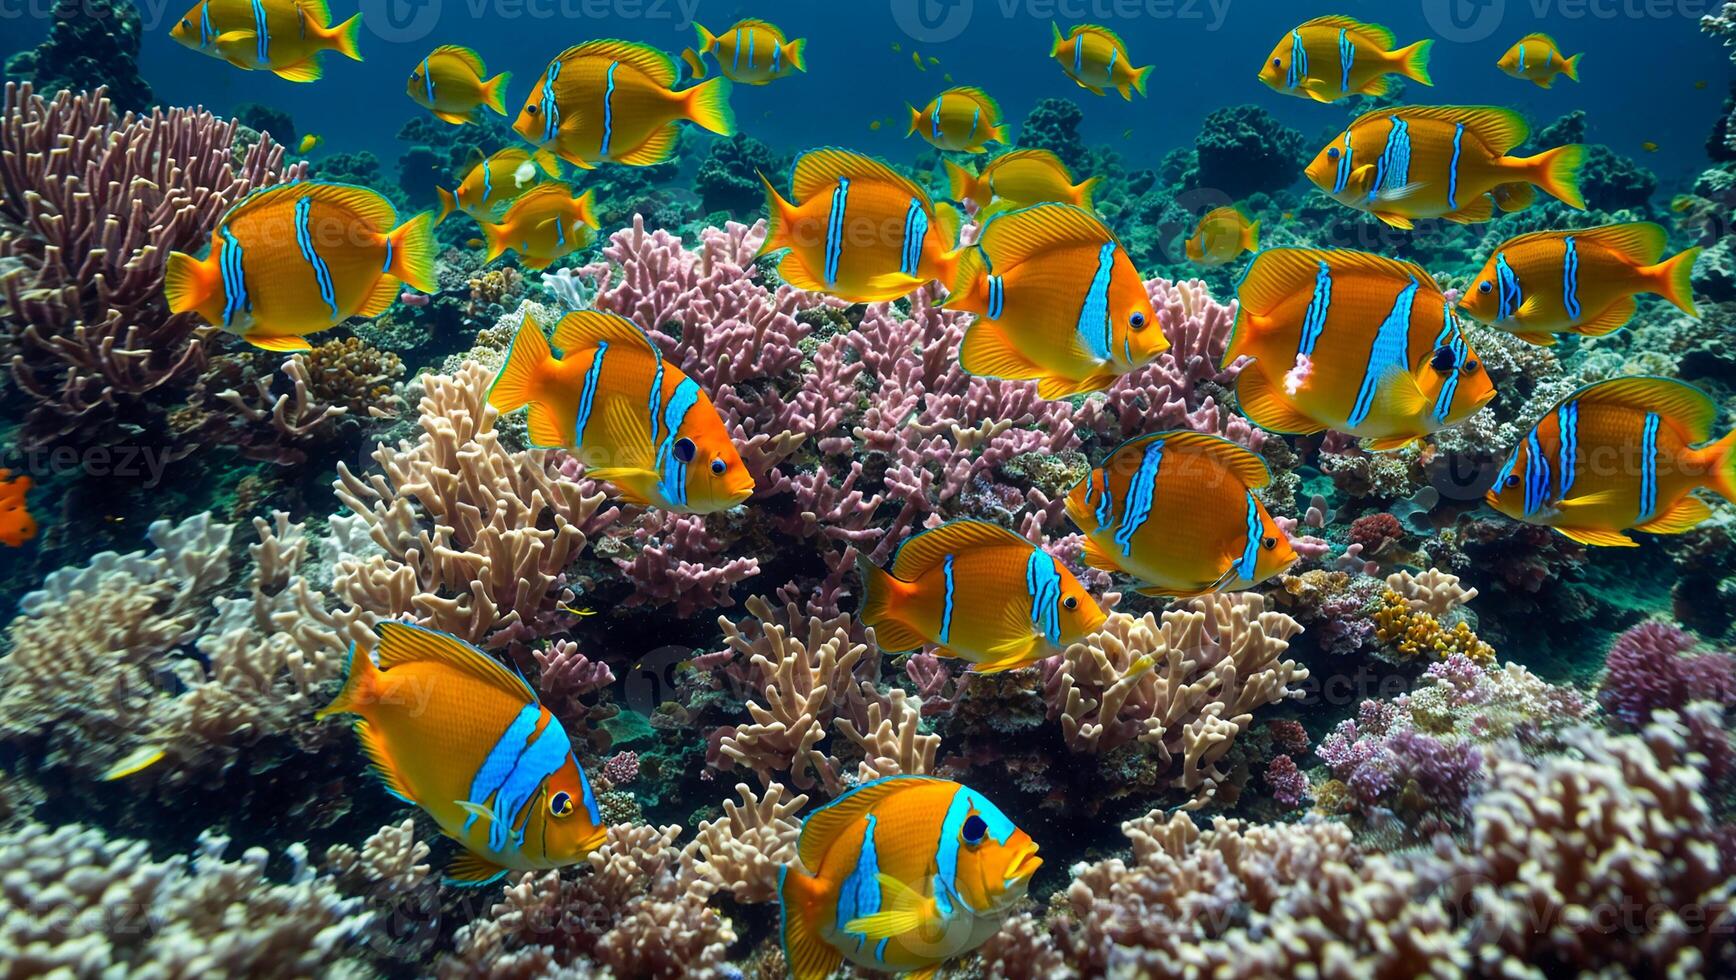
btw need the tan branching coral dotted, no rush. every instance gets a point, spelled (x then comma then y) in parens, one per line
(1434, 592)
(741, 851)
(391, 861)
(1184, 686)
(893, 742)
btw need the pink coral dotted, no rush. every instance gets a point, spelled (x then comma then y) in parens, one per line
(1650, 668)
(1286, 782)
(621, 768)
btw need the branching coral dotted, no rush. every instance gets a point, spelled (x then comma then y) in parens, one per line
(1654, 667)
(1408, 620)
(742, 851)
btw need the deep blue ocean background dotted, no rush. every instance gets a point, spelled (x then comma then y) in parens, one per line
(1639, 75)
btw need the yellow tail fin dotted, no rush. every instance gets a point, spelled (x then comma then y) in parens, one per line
(1082, 193)
(345, 36)
(494, 92)
(412, 250)
(707, 40)
(1140, 77)
(1251, 237)
(1413, 62)
(962, 184)
(880, 592)
(778, 212)
(1673, 279)
(1720, 458)
(188, 285)
(1557, 172)
(708, 105)
(797, 53)
(1571, 67)
(448, 204)
(520, 380)
(915, 120)
(358, 686)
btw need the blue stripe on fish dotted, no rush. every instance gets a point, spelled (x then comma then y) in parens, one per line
(1570, 278)
(428, 82)
(656, 394)
(1094, 329)
(1346, 58)
(387, 265)
(859, 895)
(551, 108)
(1141, 489)
(1078, 54)
(1109, 71)
(936, 126)
(976, 118)
(1509, 295)
(1389, 350)
(750, 36)
(1392, 170)
(487, 182)
(835, 230)
(608, 109)
(1106, 502)
(997, 297)
(1043, 584)
(206, 34)
(1453, 168)
(503, 757)
(542, 758)
(880, 949)
(1251, 546)
(673, 483)
(322, 276)
(1649, 469)
(1298, 61)
(1319, 305)
(915, 230)
(588, 396)
(777, 55)
(1521, 57)
(947, 603)
(1536, 474)
(1506, 470)
(1450, 336)
(1567, 420)
(590, 797)
(1342, 178)
(735, 58)
(262, 33)
(235, 298)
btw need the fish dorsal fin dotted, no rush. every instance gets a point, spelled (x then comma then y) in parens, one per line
(1497, 128)
(1340, 22)
(755, 24)
(1102, 32)
(406, 643)
(1640, 241)
(319, 10)
(588, 328)
(823, 826)
(368, 205)
(978, 96)
(1540, 36)
(656, 65)
(1277, 274)
(470, 58)
(928, 549)
(1681, 403)
(476, 158)
(1247, 467)
(550, 194)
(817, 172)
(1015, 236)
(1045, 157)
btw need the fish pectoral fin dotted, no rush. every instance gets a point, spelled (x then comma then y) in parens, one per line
(455, 118)
(1398, 396)
(307, 70)
(1010, 655)
(1687, 514)
(1610, 320)
(658, 147)
(476, 810)
(1395, 220)
(907, 912)
(1387, 444)
(1096, 557)
(467, 870)
(1537, 337)
(926, 973)
(1267, 406)
(988, 352)
(286, 344)
(1598, 536)
(795, 272)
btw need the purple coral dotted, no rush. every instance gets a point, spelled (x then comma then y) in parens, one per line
(1289, 786)
(1650, 668)
(621, 768)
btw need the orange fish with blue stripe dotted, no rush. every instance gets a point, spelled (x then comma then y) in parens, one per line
(1353, 342)
(616, 101)
(980, 592)
(280, 36)
(1177, 511)
(1095, 58)
(962, 118)
(543, 224)
(16, 524)
(634, 419)
(1412, 162)
(1335, 57)
(1538, 58)
(1019, 179)
(1057, 301)
(459, 734)
(901, 874)
(859, 230)
(493, 183)
(299, 258)
(752, 52)
(1581, 282)
(450, 83)
(1223, 234)
(1616, 456)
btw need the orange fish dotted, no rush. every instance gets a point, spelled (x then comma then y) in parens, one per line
(901, 874)
(281, 36)
(616, 101)
(1353, 342)
(1619, 455)
(1096, 59)
(634, 419)
(1223, 234)
(452, 730)
(1582, 282)
(980, 592)
(16, 524)
(1538, 58)
(1334, 57)
(752, 52)
(491, 184)
(1440, 162)
(859, 230)
(299, 258)
(449, 83)
(1019, 179)
(1058, 302)
(962, 118)
(1177, 511)
(543, 224)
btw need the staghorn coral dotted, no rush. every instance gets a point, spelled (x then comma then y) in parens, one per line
(742, 851)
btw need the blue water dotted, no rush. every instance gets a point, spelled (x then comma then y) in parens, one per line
(1638, 79)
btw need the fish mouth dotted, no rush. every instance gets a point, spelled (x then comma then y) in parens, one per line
(1024, 864)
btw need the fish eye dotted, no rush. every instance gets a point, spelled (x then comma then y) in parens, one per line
(718, 466)
(1442, 361)
(1277, 62)
(1471, 367)
(1332, 153)
(685, 450)
(1512, 480)
(974, 829)
(1269, 543)
(560, 804)
(531, 109)
(1485, 286)
(1071, 602)
(1137, 320)
(186, 23)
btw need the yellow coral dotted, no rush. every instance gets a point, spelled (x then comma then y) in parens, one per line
(1414, 633)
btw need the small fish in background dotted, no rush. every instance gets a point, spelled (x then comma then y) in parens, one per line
(459, 734)
(842, 201)
(1057, 300)
(1682, 203)
(280, 36)
(897, 48)
(492, 183)
(1018, 179)
(1223, 234)
(449, 83)
(962, 118)
(1096, 59)
(916, 57)
(980, 593)
(1334, 57)
(1700, 84)
(299, 258)
(1177, 511)
(309, 143)
(1649, 146)
(947, 78)
(1352, 342)
(1617, 456)
(16, 524)
(543, 224)
(1413, 162)
(901, 874)
(1288, 215)
(874, 124)
(1580, 282)
(752, 52)
(634, 419)
(616, 101)
(933, 60)
(1127, 134)
(1538, 58)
